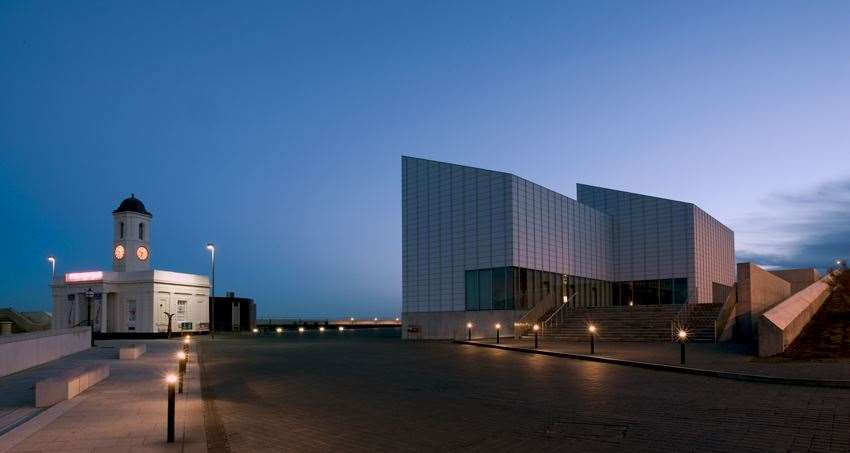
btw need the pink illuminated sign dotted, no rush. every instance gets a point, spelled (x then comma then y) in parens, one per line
(83, 276)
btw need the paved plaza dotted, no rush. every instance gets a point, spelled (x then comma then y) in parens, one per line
(368, 391)
(126, 412)
(726, 357)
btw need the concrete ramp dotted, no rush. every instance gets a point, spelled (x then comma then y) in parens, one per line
(782, 324)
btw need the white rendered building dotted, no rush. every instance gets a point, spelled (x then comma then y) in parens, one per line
(133, 298)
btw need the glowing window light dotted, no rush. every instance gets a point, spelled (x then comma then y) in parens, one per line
(83, 276)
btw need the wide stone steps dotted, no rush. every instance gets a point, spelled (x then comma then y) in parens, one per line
(639, 323)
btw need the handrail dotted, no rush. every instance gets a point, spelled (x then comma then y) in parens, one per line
(725, 312)
(557, 310)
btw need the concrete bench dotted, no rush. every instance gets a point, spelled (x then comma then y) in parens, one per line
(68, 384)
(131, 352)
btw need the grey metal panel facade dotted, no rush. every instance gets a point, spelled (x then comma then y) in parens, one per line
(457, 218)
(454, 218)
(656, 238)
(554, 233)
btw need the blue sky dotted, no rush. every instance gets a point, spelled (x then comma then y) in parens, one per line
(275, 129)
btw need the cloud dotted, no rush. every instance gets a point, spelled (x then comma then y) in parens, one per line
(806, 229)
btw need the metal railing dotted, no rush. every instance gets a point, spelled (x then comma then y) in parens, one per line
(725, 312)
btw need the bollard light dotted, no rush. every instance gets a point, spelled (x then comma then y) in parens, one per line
(536, 329)
(171, 380)
(181, 370)
(255, 330)
(321, 328)
(592, 330)
(301, 330)
(498, 328)
(341, 328)
(279, 330)
(683, 338)
(631, 303)
(469, 331)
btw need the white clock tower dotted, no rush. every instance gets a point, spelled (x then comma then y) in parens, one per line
(132, 232)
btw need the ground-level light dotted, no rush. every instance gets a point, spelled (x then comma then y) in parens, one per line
(683, 338)
(498, 328)
(341, 328)
(279, 330)
(321, 328)
(536, 329)
(591, 329)
(301, 330)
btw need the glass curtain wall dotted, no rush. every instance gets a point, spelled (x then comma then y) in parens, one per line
(515, 288)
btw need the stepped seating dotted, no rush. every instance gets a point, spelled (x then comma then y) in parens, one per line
(638, 323)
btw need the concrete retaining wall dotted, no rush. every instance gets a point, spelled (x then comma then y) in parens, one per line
(798, 278)
(780, 326)
(758, 291)
(449, 325)
(24, 350)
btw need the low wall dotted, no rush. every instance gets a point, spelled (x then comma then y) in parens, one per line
(449, 325)
(780, 326)
(24, 350)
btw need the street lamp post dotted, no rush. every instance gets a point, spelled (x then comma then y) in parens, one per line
(89, 297)
(683, 337)
(211, 248)
(498, 328)
(535, 328)
(592, 330)
(52, 260)
(469, 331)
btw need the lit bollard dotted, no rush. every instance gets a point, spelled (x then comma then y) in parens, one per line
(279, 330)
(255, 330)
(171, 380)
(469, 331)
(592, 331)
(498, 328)
(181, 370)
(301, 329)
(341, 328)
(683, 337)
(321, 328)
(536, 329)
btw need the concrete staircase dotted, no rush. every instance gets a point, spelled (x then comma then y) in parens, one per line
(637, 323)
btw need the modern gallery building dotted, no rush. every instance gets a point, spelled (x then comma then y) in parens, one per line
(485, 246)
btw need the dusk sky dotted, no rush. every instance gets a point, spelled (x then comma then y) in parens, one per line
(275, 130)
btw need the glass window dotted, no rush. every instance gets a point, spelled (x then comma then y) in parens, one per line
(510, 276)
(485, 289)
(499, 288)
(122, 230)
(141, 231)
(680, 290)
(667, 291)
(472, 290)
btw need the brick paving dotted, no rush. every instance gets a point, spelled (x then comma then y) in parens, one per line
(360, 392)
(123, 413)
(728, 357)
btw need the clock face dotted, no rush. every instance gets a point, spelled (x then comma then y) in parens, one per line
(119, 252)
(142, 253)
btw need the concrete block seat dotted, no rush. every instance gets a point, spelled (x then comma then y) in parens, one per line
(131, 352)
(68, 384)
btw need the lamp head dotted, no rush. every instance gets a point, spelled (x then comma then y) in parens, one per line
(469, 325)
(279, 330)
(181, 355)
(171, 378)
(300, 329)
(341, 328)
(683, 335)
(498, 326)
(210, 247)
(51, 258)
(255, 330)
(321, 328)
(591, 328)
(535, 327)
